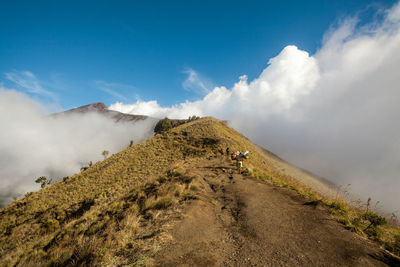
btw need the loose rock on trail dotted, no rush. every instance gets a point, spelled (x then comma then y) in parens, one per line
(238, 220)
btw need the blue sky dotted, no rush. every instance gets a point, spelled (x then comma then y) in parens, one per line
(78, 52)
(329, 89)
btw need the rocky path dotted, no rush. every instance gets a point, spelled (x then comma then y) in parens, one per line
(240, 221)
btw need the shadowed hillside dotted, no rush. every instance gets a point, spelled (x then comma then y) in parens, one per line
(128, 209)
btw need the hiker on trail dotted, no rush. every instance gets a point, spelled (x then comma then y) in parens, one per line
(233, 155)
(221, 151)
(239, 165)
(246, 154)
(227, 151)
(239, 155)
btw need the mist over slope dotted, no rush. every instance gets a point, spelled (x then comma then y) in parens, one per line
(33, 144)
(120, 200)
(334, 112)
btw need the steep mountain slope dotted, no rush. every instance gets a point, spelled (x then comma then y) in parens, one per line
(138, 206)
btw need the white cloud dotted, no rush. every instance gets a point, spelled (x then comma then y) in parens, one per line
(334, 112)
(196, 83)
(113, 88)
(292, 73)
(393, 14)
(33, 144)
(28, 81)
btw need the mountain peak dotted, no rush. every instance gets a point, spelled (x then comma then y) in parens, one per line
(101, 108)
(97, 106)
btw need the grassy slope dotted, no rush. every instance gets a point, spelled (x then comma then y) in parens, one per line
(119, 210)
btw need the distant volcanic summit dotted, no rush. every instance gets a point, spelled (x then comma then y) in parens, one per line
(101, 108)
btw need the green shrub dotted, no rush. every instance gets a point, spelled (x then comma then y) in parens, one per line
(374, 219)
(43, 181)
(166, 124)
(163, 125)
(104, 153)
(193, 118)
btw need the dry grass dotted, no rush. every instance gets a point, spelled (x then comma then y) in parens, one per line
(112, 212)
(118, 211)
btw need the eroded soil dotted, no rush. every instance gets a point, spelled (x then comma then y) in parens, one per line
(238, 220)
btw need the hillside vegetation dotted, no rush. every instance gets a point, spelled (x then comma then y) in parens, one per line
(120, 211)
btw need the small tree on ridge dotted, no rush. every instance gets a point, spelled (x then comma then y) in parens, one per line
(105, 153)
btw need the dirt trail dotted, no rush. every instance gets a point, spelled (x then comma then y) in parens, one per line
(240, 221)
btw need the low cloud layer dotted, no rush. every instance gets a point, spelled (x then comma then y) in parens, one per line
(33, 144)
(334, 113)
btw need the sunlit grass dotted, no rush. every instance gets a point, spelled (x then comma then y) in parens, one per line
(116, 212)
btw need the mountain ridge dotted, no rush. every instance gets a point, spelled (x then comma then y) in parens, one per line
(123, 210)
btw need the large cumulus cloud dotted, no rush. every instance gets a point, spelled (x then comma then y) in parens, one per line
(334, 112)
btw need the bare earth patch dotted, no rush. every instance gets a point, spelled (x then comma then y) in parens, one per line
(238, 220)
